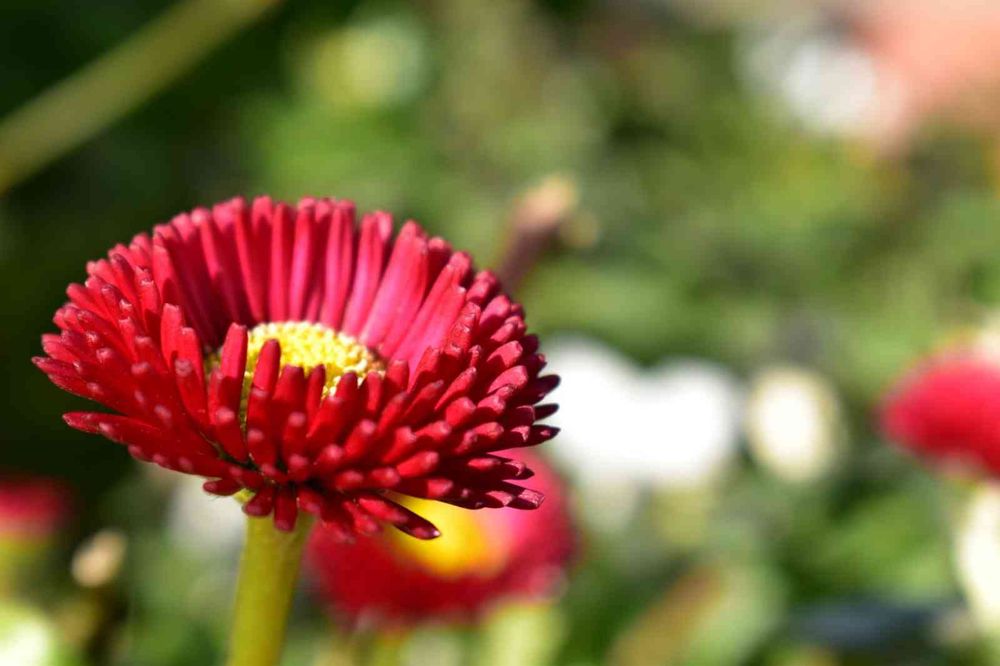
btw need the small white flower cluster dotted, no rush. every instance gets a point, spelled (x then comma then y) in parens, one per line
(826, 81)
(679, 425)
(675, 425)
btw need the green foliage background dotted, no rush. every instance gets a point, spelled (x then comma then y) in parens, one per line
(709, 225)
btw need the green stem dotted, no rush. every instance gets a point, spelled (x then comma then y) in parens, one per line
(96, 96)
(269, 569)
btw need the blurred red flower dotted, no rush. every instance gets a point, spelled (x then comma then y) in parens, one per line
(949, 408)
(312, 360)
(482, 558)
(32, 507)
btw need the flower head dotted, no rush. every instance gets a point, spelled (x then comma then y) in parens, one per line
(316, 362)
(482, 557)
(949, 409)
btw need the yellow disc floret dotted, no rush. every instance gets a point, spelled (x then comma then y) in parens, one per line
(308, 345)
(466, 547)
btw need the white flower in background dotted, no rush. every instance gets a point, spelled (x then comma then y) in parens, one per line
(827, 82)
(983, 339)
(793, 423)
(879, 69)
(977, 553)
(202, 524)
(27, 638)
(676, 426)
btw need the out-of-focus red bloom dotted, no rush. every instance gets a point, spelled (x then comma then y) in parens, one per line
(950, 409)
(482, 557)
(31, 508)
(317, 362)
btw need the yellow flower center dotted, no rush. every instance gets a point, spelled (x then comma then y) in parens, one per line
(466, 547)
(308, 345)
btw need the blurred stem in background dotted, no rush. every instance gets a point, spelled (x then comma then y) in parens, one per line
(92, 619)
(77, 108)
(269, 569)
(535, 219)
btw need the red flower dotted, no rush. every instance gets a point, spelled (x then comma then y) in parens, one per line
(484, 557)
(31, 507)
(313, 361)
(949, 408)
